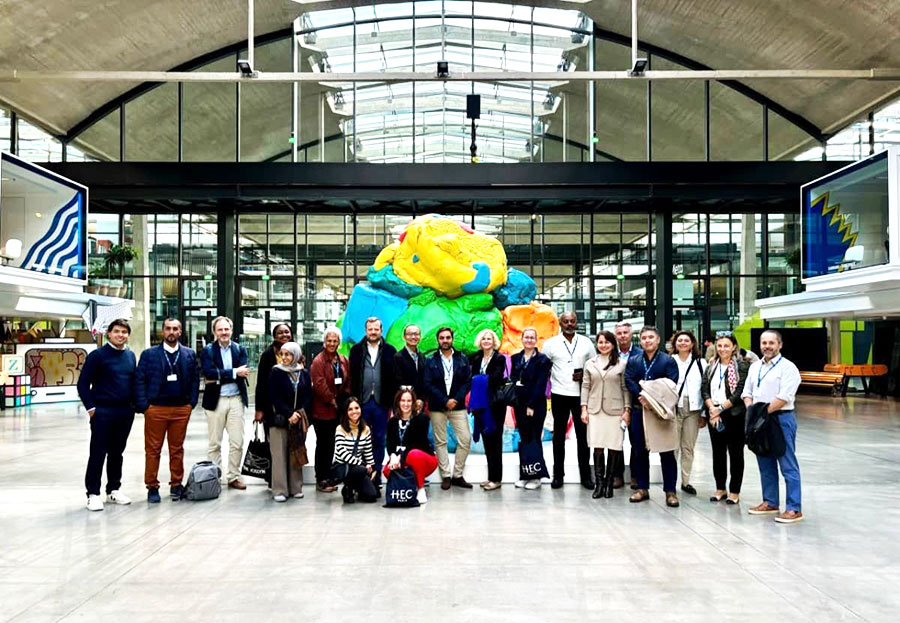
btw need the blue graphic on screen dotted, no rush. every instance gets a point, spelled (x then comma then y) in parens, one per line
(827, 235)
(59, 250)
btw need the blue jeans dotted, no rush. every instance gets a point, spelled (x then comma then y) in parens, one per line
(790, 469)
(376, 417)
(640, 456)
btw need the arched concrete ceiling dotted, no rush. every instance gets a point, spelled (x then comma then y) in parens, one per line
(158, 35)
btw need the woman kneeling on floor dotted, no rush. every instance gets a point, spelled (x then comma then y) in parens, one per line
(407, 441)
(353, 448)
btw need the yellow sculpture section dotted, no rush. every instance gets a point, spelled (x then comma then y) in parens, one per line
(441, 254)
(518, 317)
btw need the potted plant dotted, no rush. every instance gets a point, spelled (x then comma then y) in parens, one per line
(116, 259)
(96, 277)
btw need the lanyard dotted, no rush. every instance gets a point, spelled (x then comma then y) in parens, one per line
(760, 377)
(448, 370)
(722, 372)
(337, 368)
(172, 364)
(650, 367)
(485, 362)
(574, 347)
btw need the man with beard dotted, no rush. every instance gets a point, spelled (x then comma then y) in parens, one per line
(447, 379)
(166, 388)
(568, 353)
(372, 381)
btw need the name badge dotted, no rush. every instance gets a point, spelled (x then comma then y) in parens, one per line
(172, 377)
(338, 381)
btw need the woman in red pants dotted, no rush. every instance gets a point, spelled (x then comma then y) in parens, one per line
(407, 440)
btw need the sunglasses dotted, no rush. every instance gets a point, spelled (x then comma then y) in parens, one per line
(723, 334)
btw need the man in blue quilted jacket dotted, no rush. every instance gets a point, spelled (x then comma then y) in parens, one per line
(167, 385)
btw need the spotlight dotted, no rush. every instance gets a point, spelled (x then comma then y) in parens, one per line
(245, 68)
(443, 69)
(640, 66)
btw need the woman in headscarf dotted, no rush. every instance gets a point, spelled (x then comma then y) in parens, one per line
(290, 394)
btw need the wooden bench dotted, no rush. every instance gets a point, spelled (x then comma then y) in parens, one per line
(833, 380)
(860, 371)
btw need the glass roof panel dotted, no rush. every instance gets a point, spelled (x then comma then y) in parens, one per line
(507, 37)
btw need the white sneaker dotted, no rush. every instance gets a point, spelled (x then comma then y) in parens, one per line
(298, 496)
(280, 498)
(545, 481)
(94, 503)
(421, 496)
(520, 484)
(531, 485)
(117, 497)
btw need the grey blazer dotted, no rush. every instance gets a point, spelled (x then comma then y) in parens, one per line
(604, 390)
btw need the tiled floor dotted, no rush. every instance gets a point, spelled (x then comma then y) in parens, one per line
(467, 555)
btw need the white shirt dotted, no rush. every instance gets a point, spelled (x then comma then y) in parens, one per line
(448, 372)
(778, 378)
(567, 357)
(691, 398)
(718, 383)
(170, 349)
(373, 351)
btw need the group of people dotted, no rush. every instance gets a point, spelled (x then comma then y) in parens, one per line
(372, 411)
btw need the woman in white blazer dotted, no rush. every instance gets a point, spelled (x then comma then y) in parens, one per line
(605, 407)
(691, 368)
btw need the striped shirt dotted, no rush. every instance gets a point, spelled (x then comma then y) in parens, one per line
(343, 448)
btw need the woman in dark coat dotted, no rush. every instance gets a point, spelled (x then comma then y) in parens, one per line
(530, 371)
(281, 334)
(490, 364)
(290, 393)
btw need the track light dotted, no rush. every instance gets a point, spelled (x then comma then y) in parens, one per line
(245, 68)
(639, 67)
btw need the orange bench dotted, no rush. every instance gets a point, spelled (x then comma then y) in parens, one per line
(834, 380)
(861, 371)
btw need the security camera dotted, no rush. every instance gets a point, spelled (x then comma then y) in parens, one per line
(639, 67)
(245, 68)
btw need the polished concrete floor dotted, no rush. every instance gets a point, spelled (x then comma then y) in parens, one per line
(467, 555)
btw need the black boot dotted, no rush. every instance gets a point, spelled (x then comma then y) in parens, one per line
(612, 462)
(599, 478)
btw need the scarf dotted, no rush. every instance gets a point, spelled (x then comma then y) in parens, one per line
(294, 368)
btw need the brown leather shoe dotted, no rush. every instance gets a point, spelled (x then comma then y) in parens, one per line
(672, 500)
(445, 483)
(618, 483)
(459, 481)
(237, 484)
(763, 509)
(639, 496)
(324, 487)
(789, 517)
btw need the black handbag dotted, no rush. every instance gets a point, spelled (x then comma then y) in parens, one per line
(258, 459)
(504, 395)
(339, 470)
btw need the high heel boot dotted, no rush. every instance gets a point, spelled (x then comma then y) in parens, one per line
(612, 463)
(599, 480)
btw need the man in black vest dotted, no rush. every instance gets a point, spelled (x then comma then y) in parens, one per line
(166, 388)
(372, 381)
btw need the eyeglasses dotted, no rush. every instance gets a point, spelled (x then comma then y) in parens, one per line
(723, 334)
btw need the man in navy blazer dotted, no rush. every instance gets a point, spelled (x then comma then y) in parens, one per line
(652, 363)
(447, 380)
(166, 387)
(225, 371)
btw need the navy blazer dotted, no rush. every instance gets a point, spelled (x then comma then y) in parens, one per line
(663, 366)
(153, 369)
(386, 354)
(283, 399)
(533, 376)
(434, 381)
(213, 371)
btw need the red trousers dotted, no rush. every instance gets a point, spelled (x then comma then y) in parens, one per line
(160, 423)
(420, 462)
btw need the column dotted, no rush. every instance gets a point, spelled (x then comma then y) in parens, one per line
(747, 288)
(142, 318)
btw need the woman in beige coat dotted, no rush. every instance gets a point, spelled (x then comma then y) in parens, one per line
(606, 409)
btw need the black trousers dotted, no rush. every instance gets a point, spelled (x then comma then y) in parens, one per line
(110, 427)
(728, 444)
(565, 407)
(530, 428)
(493, 444)
(324, 447)
(358, 482)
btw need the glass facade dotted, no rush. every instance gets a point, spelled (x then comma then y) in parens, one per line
(301, 268)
